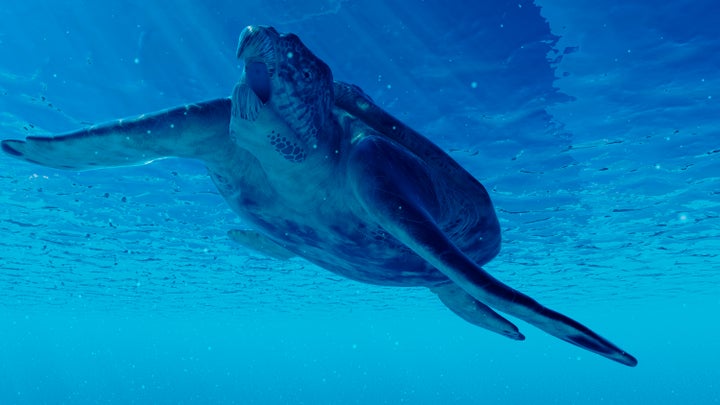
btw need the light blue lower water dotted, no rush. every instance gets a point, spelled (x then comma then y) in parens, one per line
(346, 356)
(594, 127)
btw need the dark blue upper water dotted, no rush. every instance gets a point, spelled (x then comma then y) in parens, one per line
(594, 125)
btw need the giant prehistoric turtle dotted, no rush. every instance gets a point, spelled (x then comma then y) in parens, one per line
(323, 173)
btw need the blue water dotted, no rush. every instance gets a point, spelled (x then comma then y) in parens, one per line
(594, 125)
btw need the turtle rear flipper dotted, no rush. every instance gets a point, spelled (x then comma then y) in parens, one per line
(474, 311)
(193, 131)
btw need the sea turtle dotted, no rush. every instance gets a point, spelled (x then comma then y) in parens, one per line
(323, 173)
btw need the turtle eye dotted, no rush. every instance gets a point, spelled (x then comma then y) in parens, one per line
(307, 74)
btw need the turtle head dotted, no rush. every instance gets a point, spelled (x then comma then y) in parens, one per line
(281, 73)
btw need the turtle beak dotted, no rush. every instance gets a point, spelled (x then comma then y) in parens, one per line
(258, 78)
(257, 44)
(256, 50)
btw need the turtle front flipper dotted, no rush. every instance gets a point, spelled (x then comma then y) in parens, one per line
(195, 131)
(396, 190)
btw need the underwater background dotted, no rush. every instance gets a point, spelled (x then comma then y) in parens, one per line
(595, 126)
